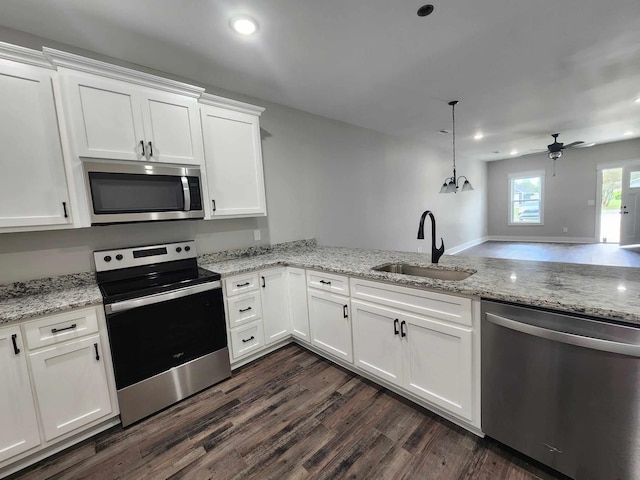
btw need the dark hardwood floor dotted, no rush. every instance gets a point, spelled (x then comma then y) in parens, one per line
(289, 415)
(588, 253)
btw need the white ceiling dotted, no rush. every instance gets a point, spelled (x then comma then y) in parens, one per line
(521, 69)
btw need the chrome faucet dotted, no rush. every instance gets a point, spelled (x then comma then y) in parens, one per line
(436, 253)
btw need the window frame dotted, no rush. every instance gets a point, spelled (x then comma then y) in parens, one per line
(518, 176)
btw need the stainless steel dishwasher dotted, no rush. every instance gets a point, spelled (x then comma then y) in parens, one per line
(563, 389)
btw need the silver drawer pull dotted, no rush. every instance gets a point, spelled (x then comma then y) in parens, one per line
(56, 330)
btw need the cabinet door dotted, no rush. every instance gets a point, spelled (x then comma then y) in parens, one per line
(71, 385)
(105, 117)
(275, 311)
(437, 363)
(377, 345)
(33, 186)
(172, 132)
(18, 421)
(233, 160)
(330, 324)
(298, 311)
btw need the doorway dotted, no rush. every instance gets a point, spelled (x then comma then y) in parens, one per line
(611, 198)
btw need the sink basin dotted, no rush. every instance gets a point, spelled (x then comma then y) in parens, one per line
(428, 272)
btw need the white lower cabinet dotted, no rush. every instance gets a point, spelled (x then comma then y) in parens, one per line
(246, 339)
(330, 324)
(18, 420)
(275, 311)
(298, 309)
(71, 385)
(56, 382)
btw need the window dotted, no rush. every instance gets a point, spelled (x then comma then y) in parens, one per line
(526, 206)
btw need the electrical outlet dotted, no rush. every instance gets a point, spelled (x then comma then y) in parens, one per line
(256, 235)
(565, 229)
(419, 249)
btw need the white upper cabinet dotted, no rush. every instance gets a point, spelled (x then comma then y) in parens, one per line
(121, 114)
(33, 185)
(233, 158)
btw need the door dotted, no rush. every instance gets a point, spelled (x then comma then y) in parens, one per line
(275, 311)
(18, 422)
(105, 117)
(630, 208)
(437, 363)
(329, 323)
(233, 159)
(172, 133)
(33, 186)
(298, 310)
(377, 345)
(71, 385)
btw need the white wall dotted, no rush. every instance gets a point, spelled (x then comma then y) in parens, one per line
(566, 195)
(342, 184)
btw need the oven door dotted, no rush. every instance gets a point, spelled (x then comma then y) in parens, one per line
(136, 193)
(153, 334)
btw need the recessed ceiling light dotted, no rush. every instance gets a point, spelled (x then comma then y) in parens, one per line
(425, 10)
(244, 25)
(478, 136)
(629, 132)
(514, 152)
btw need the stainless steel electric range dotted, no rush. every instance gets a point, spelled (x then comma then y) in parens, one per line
(166, 323)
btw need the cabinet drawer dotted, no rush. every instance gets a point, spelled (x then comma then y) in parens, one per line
(431, 304)
(241, 283)
(246, 339)
(60, 328)
(329, 282)
(244, 308)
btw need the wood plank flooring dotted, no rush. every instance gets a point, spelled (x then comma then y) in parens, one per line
(587, 253)
(289, 415)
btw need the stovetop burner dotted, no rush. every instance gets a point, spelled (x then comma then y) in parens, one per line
(141, 271)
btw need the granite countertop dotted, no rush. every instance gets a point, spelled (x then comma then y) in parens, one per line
(601, 291)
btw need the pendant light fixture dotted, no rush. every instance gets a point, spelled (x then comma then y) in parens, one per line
(452, 184)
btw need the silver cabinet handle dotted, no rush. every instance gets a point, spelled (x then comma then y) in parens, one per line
(160, 297)
(568, 338)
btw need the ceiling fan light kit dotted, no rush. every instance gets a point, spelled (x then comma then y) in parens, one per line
(451, 184)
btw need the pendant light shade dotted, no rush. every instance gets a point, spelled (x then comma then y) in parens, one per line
(452, 184)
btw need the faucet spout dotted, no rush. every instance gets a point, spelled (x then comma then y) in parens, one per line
(436, 252)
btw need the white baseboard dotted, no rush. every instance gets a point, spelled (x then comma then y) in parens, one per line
(464, 246)
(507, 238)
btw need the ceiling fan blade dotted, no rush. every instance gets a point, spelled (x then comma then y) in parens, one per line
(539, 152)
(574, 144)
(585, 145)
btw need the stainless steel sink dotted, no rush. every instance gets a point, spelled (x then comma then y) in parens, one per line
(429, 272)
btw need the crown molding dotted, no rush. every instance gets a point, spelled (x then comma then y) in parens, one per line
(96, 67)
(228, 104)
(24, 55)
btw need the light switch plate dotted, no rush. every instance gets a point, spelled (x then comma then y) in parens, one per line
(256, 235)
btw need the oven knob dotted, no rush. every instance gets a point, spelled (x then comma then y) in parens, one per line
(119, 257)
(107, 258)
(187, 248)
(178, 249)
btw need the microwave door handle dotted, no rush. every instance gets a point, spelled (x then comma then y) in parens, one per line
(187, 193)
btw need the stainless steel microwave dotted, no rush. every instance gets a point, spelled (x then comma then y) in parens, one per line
(132, 192)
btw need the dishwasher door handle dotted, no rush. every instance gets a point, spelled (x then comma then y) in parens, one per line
(568, 338)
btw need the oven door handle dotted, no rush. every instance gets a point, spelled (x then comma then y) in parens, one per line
(187, 193)
(160, 297)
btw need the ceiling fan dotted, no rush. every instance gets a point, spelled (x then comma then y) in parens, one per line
(554, 150)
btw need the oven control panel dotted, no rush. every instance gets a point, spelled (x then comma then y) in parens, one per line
(137, 256)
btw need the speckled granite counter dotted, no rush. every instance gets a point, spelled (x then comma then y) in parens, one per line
(602, 291)
(610, 292)
(22, 300)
